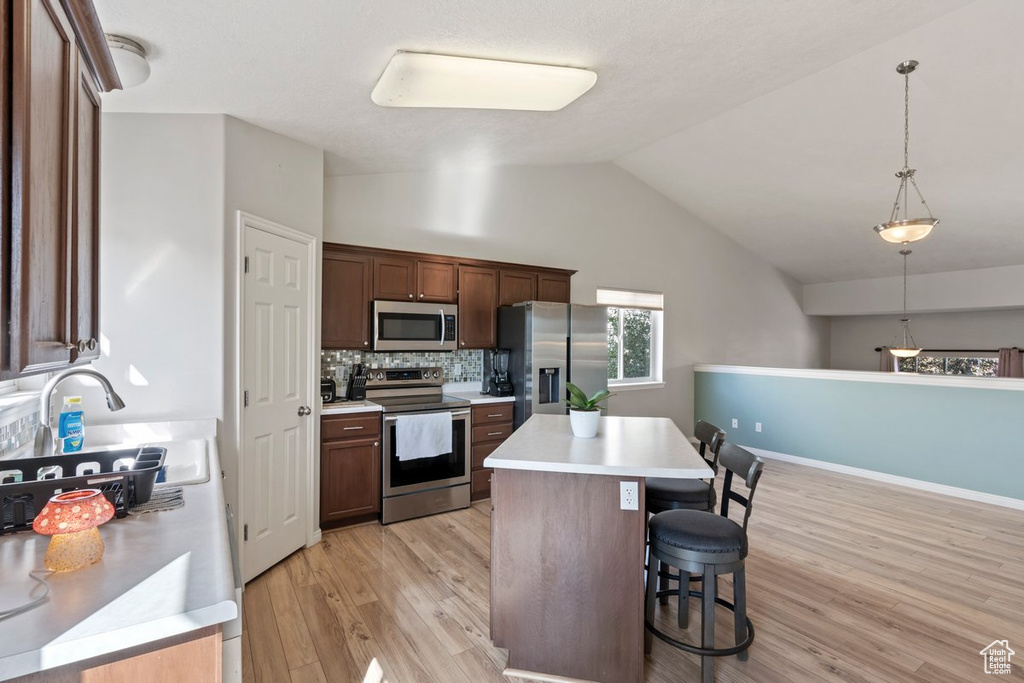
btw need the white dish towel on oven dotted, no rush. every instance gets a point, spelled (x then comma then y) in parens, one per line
(423, 436)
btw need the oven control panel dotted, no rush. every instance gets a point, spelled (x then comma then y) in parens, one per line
(403, 377)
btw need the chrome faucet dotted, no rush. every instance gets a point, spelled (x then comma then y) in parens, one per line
(46, 442)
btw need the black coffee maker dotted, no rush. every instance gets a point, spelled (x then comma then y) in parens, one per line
(498, 383)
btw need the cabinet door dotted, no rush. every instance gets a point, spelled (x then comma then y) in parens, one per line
(44, 76)
(393, 278)
(516, 286)
(478, 307)
(85, 220)
(345, 318)
(435, 282)
(551, 287)
(349, 479)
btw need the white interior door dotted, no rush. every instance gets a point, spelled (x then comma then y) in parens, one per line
(276, 420)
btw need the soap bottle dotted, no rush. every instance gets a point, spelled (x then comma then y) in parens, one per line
(71, 429)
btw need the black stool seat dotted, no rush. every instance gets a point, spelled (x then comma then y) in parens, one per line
(679, 494)
(700, 533)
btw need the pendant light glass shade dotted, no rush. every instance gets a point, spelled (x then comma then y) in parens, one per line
(902, 232)
(906, 229)
(904, 346)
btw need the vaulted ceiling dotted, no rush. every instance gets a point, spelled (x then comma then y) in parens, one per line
(779, 124)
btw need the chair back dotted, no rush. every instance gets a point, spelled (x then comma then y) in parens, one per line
(711, 439)
(747, 466)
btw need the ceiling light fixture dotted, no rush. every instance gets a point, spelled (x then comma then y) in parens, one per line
(414, 79)
(908, 229)
(130, 59)
(907, 347)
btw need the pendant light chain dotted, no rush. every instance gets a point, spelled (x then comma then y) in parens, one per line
(905, 252)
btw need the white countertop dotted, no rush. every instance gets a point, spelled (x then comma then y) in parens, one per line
(624, 446)
(162, 574)
(476, 398)
(348, 407)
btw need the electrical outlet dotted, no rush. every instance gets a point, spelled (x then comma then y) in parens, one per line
(629, 495)
(735, 423)
(757, 426)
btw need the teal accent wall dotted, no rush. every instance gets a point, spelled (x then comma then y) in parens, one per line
(958, 436)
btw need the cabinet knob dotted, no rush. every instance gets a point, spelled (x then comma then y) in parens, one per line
(410, 296)
(463, 343)
(376, 443)
(421, 296)
(366, 343)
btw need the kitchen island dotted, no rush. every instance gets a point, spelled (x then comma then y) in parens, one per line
(567, 561)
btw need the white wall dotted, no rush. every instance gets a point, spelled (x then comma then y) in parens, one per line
(281, 180)
(171, 189)
(854, 338)
(959, 290)
(723, 304)
(161, 268)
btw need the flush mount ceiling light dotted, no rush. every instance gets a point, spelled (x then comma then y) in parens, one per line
(413, 79)
(902, 231)
(907, 347)
(130, 59)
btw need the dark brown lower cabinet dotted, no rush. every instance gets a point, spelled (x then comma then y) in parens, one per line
(492, 424)
(350, 468)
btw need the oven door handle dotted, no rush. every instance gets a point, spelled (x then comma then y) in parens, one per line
(455, 413)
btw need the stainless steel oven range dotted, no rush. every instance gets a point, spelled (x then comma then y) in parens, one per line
(423, 485)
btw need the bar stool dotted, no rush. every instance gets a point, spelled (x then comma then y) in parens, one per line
(704, 543)
(686, 494)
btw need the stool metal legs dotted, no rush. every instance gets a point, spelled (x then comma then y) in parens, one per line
(739, 593)
(707, 639)
(650, 598)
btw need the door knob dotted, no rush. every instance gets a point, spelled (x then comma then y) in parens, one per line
(304, 410)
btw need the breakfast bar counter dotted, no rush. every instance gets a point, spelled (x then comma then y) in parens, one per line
(567, 561)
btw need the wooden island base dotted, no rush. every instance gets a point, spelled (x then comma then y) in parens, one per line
(567, 576)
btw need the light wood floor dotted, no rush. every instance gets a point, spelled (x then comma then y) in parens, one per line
(848, 579)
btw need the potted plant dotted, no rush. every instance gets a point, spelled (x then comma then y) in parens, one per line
(584, 413)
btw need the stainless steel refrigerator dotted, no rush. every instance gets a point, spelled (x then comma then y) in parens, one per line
(552, 344)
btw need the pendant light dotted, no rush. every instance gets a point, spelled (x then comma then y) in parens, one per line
(897, 230)
(905, 347)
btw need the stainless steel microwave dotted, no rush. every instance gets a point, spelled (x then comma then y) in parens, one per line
(414, 326)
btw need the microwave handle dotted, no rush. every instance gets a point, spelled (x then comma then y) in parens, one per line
(440, 314)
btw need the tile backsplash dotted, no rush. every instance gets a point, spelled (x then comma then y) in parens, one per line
(459, 366)
(17, 428)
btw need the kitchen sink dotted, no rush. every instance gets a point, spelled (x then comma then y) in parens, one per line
(187, 461)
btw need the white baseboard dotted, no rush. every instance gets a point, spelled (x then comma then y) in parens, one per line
(968, 494)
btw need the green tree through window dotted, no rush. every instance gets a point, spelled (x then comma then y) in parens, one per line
(629, 344)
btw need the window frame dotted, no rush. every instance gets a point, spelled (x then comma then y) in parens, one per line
(945, 355)
(606, 297)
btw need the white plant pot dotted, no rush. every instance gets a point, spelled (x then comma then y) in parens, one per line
(584, 422)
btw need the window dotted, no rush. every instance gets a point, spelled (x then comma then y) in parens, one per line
(927, 364)
(634, 336)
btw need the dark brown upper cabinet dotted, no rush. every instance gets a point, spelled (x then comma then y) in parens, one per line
(55, 61)
(436, 282)
(410, 279)
(354, 276)
(347, 293)
(394, 279)
(515, 286)
(478, 307)
(553, 287)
